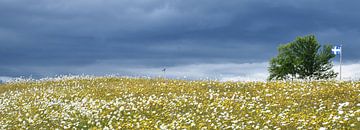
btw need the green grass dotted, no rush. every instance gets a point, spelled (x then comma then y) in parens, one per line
(120, 103)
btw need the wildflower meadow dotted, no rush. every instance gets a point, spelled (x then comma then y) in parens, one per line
(145, 103)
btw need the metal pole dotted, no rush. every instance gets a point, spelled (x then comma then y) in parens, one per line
(164, 74)
(340, 60)
(165, 81)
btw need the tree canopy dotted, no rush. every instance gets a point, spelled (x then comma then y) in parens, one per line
(304, 59)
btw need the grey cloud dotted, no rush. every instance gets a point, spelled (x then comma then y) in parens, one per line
(37, 35)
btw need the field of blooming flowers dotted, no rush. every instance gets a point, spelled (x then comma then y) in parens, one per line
(121, 103)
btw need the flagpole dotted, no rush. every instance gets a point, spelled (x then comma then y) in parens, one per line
(340, 60)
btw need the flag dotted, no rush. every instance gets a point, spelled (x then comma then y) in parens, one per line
(336, 50)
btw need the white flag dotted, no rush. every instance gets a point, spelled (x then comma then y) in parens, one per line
(336, 50)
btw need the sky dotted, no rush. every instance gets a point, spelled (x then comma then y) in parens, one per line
(196, 39)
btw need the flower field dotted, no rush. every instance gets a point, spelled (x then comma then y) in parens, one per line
(141, 103)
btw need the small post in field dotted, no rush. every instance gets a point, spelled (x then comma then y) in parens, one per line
(164, 70)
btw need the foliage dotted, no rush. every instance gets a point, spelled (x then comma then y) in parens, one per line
(131, 103)
(302, 59)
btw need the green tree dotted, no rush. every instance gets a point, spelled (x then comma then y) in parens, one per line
(304, 59)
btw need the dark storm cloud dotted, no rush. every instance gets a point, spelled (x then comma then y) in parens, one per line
(69, 34)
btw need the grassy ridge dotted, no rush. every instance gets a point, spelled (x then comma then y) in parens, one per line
(113, 103)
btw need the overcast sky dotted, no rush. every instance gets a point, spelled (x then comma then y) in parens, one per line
(232, 39)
